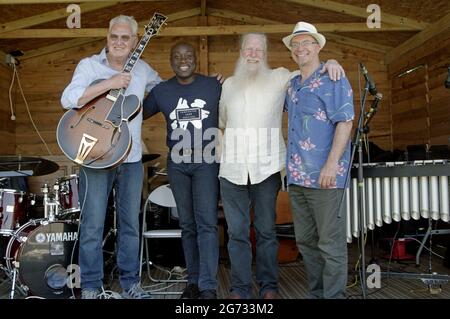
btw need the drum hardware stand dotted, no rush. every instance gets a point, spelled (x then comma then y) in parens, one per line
(51, 206)
(12, 276)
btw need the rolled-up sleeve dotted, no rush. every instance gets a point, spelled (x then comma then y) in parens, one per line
(80, 81)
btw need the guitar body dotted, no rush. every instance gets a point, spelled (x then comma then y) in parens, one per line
(97, 135)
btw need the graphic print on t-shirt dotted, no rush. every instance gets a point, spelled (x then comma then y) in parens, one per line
(185, 114)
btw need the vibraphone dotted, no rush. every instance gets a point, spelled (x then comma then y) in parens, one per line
(394, 191)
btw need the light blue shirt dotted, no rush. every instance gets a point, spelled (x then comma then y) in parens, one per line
(96, 67)
(315, 107)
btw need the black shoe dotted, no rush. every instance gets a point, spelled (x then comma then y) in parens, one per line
(208, 294)
(190, 292)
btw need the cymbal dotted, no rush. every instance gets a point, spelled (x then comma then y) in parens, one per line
(149, 157)
(26, 166)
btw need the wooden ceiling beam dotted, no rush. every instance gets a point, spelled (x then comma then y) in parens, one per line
(196, 31)
(441, 26)
(228, 14)
(362, 13)
(65, 1)
(357, 43)
(77, 42)
(203, 7)
(50, 16)
(177, 16)
(331, 37)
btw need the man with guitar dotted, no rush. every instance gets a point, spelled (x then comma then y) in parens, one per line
(93, 77)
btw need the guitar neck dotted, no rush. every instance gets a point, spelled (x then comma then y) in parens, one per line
(132, 60)
(150, 30)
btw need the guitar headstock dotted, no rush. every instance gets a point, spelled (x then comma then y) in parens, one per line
(155, 24)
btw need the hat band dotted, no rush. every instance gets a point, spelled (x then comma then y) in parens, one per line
(302, 31)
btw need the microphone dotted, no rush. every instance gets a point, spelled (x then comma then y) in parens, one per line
(447, 82)
(373, 108)
(372, 87)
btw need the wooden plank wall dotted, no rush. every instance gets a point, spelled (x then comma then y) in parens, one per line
(44, 78)
(7, 126)
(420, 102)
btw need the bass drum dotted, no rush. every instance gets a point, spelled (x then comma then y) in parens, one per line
(41, 252)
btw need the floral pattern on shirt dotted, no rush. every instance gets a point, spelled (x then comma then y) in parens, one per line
(314, 108)
(307, 145)
(297, 172)
(315, 84)
(320, 115)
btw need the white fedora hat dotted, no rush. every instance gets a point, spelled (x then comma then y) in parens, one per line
(305, 28)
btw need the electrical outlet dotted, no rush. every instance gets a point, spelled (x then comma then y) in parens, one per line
(10, 60)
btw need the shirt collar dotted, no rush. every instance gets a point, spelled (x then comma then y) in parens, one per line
(312, 77)
(103, 58)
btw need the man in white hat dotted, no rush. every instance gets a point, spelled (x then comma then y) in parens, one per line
(320, 114)
(253, 154)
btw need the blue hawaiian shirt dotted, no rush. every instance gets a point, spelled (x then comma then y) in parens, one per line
(314, 109)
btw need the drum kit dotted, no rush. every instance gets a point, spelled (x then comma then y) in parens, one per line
(38, 253)
(39, 232)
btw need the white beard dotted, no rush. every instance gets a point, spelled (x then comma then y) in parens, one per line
(245, 75)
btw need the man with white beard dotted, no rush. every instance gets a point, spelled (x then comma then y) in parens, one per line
(253, 154)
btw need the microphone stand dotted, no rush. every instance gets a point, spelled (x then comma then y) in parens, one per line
(365, 132)
(357, 145)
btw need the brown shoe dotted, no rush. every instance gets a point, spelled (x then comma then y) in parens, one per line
(270, 295)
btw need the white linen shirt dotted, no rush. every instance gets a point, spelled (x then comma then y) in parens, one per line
(253, 145)
(96, 67)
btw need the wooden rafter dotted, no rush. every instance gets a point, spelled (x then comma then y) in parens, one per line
(332, 37)
(78, 42)
(64, 1)
(441, 26)
(228, 14)
(177, 15)
(82, 41)
(362, 13)
(358, 43)
(50, 16)
(203, 7)
(197, 31)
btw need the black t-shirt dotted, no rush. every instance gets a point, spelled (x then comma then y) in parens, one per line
(190, 110)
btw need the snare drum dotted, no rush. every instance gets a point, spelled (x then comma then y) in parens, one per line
(68, 194)
(13, 210)
(41, 252)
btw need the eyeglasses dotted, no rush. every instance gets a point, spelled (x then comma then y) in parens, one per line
(303, 44)
(124, 38)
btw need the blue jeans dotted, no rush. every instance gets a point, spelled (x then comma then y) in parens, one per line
(195, 188)
(95, 186)
(237, 200)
